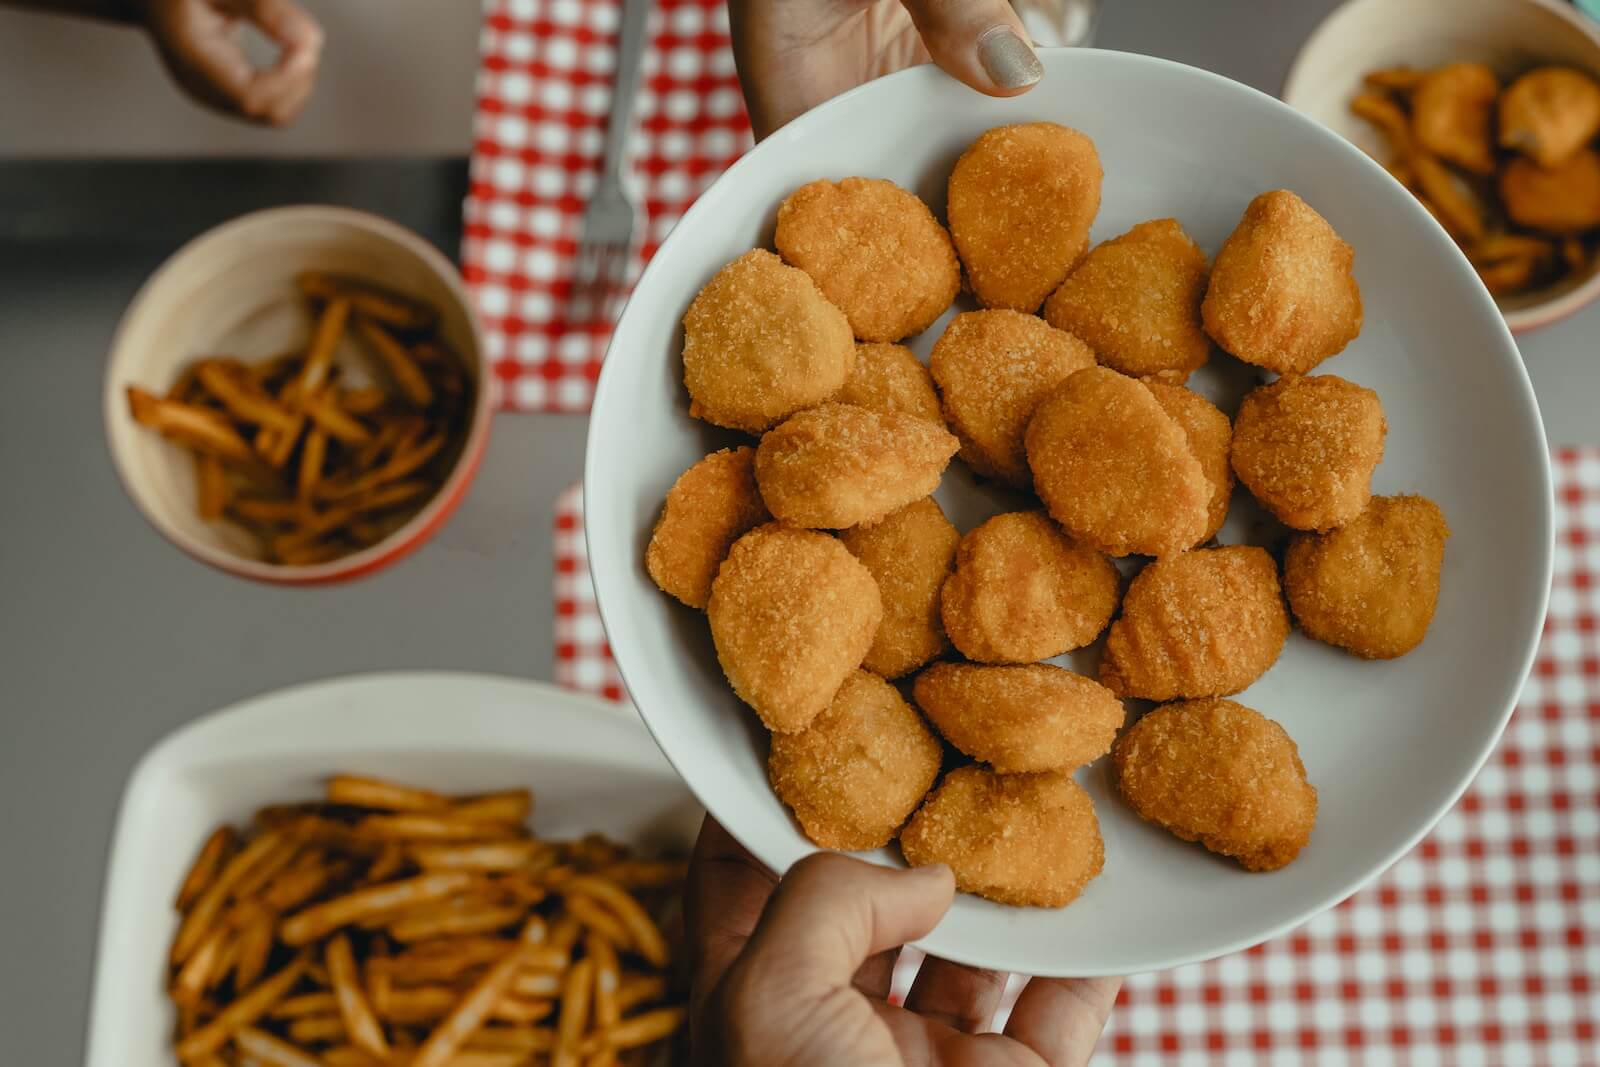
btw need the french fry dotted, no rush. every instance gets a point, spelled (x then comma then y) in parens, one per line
(239, 395)
(538, 984)
(270, 865)
(266, 511)
(644, 935)
(211, 486)
(324, 341)
(565, 932)
(1384, 113)
(645, 874)
(357, 791)
(305, 555)
(1508, 275)
(244, 1011)
(200, 428)
(254, 943)
(446, 923)
(294, 887)
(271, 1051)
(490, 856)
(636, 989)
(1456, 208)
(1509, 246)
(470, 1014)
(366, 401)
(313, 454)
(296, 1007)
(573, 1022)
(524, 1039)
(359, 1021)
(454, 958)
(198, 971)
(410, 826)
(599, 919)
(1574, 254)
(407, 375)
(313, 530)
(322, 919)
(607, 1008)
(408, 457)
(511, 806)
(1394, 79)
(329, 416)
(197, 922)
(644, 1029)
(375, 303)
(217, 847)
(316, 1029)
(512, 1009)
(387, 862)
(348, 1056)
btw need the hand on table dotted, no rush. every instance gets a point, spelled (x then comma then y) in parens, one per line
(199, 43)
(794, 54)
(796, 973)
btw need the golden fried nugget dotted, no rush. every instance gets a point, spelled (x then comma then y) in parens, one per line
(993, 368)
(1452, 114)
(1115, 469)
(760, 342)
(1026, 839)
(1550, 113)
(1216, 772)
(1022, 199)
(1207, 623)
(855, 775)
(910, 553)
(1023, 591)
(792, 613)
(1564, 199)
(1283, 294)
(710, 506)
(1371, 586)
(890, 378)
(1307, 447)
(838, 465)
(1135, 300)
(875, 250)
(1036, 717)
(1210, 437)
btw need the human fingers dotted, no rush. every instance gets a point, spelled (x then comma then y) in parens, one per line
(926, 1042)
(1061, 1018)
(278, 94)
(726, 890)
(981, 42)
(963, 998)
(874, 977)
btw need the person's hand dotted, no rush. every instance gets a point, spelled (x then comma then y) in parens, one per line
(199, 42)
(794, 54)
(796, 973)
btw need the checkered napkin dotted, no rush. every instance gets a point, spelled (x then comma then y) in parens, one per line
(1482, 946)
(544, 91)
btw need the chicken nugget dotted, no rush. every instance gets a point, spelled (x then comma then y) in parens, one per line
(1452, 114)
(1024, 591)
(1022, 199)
(890, 378)
(1563, 199)
(993, 368)
(1207, 623)
(1549, 113)
(855, 775)
(1370, 586)
(1115, 469)
(1035, 717)
(1135, 300)
(1307, 447)
(910, 553)
(792, 613)
(1210, 437)
(710, 506)
(838, 465)
(1031, 840)
(1283, 291)
(1216, 772)
(761, 342)
(876, 252)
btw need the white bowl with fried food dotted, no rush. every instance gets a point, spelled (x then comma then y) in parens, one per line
(1509, 36)
(589, 764)
(1389, 746)
(232, 292)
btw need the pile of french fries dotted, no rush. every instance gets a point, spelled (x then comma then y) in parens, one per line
(389, 925)
(317, 467)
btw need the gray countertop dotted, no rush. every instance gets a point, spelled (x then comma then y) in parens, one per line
(112, 638)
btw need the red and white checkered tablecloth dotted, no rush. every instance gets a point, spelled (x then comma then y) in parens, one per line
(544, 91)
(1480, 947)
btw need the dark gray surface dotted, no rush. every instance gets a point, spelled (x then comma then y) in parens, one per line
(111, 638)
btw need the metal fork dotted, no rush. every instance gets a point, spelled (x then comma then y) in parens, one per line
(605, 246)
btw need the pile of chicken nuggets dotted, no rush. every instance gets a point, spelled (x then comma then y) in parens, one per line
(898, 662)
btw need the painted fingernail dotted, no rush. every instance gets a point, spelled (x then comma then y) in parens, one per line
(1008, 59)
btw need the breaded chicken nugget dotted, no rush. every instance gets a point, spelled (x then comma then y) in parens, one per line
(890, 378)
(1115, 469)
(1210, 436)
(1036, 717)
(1135, 300)
(760, 342)
(1560, 199)
(1022, 199)
(910, 553)
(1216, 772)
(1452, 114)
(1370, 586)
(1031, 840)
(1023, 591)
(1206, 623)
(710, 506)
(993, 368)
(1283, 293)
(1307, 447)
(855, 775)
(1549, 113)
(792, 613)
(875, 250)
(838, 465)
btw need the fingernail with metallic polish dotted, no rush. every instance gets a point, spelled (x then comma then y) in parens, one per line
(1007, 59)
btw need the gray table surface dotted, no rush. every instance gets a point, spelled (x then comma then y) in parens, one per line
(112, 639)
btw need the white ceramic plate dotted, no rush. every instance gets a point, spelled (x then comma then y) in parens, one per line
(1389, 745)
(1510, 36)
(590, 764)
